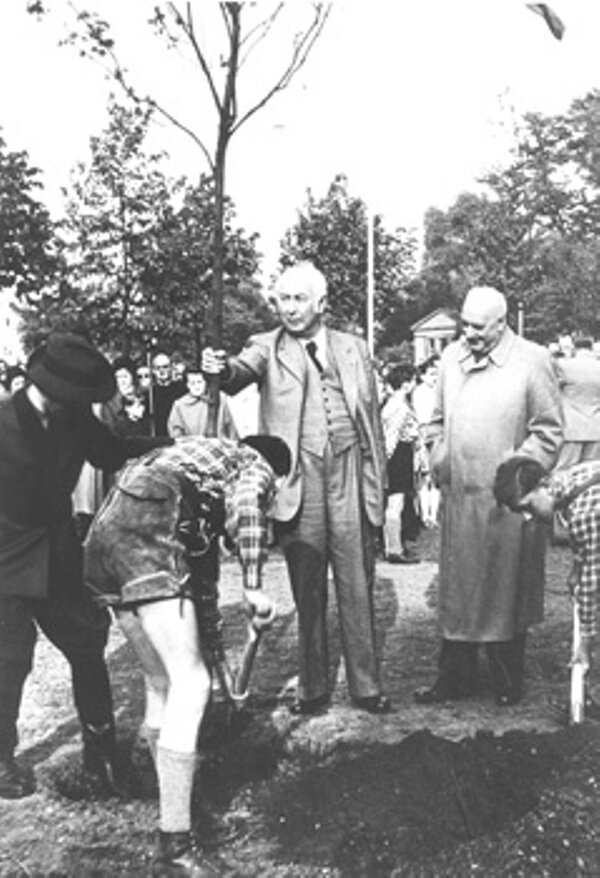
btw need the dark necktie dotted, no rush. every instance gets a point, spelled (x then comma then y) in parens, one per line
(311, 349)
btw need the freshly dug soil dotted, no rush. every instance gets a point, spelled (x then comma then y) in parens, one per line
(451, 790)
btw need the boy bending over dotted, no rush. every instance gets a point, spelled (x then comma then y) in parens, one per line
(149, 555)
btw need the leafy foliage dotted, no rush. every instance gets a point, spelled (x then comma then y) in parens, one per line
(29, 250)
(177, 281)
(139, 252)
(533, 231)
(332, 233)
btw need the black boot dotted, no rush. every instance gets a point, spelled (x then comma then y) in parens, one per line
(15, 782)
(506, 663)
(458, 674)
(177, 856)
(100, 757)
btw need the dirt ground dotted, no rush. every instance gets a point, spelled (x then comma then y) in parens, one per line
(453, 790)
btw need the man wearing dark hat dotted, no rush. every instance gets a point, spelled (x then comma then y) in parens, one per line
(47, 431)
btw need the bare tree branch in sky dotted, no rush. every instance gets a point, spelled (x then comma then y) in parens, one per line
(177, 24)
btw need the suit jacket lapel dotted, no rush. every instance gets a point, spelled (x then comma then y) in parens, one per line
(343, 353)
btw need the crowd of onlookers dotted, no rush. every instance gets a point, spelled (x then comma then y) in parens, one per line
(163, 396)
(507, 434)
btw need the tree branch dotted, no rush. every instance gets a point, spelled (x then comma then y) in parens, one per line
(96, 33)
(231, 12)
(303, 45)
(261, 31)
(184, 128)
(187, 26)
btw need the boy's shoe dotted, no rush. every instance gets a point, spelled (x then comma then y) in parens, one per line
(177, 856)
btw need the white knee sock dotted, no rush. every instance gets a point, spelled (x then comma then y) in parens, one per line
(175, 780)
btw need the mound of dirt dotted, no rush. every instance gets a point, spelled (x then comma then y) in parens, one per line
(446, 791)
(365, 811)
(501, 805)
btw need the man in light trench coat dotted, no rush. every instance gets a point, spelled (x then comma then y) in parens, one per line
(497, 396)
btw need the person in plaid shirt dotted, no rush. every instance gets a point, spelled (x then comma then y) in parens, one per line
(523, 485)
(144, 558)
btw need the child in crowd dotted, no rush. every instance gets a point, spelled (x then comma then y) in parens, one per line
(189, 413)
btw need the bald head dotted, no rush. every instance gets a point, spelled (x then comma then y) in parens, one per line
(486, 301)
(483, 318)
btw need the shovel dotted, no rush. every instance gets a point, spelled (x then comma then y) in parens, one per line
(578, 672)
(256, 628)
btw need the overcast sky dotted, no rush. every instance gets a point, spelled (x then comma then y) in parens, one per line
(410, 99)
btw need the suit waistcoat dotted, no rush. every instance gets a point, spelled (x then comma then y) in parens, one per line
(325, 418)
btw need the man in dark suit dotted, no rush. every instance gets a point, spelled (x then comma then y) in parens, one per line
(317, 392)
(47, 431)
(163, 392)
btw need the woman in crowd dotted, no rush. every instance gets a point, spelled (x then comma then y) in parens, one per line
(401, 435)
(127, 412)
(423, 399)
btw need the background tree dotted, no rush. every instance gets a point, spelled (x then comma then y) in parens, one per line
(234, 48)
(29, 249)
(113, 205)
(139, 251)
(176, 281)
(332, 233)
(532, 231)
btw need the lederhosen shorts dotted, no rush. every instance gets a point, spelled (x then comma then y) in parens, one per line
(149, 536)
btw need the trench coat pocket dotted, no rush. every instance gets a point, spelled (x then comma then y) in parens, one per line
(439, 463)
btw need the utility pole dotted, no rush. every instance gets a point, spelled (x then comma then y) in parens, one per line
(370, 280)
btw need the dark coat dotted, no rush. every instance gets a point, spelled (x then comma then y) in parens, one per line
(39, 550)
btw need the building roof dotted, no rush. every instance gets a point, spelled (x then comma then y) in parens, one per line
(440, 321)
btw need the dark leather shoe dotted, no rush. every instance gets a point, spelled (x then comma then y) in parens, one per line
(508, 697)
(15, 782)
(310, 706)
(404, 558)
(440, 692)
(374, 704)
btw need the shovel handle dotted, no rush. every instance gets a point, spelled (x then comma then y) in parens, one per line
(577, 701)
(256, 628)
